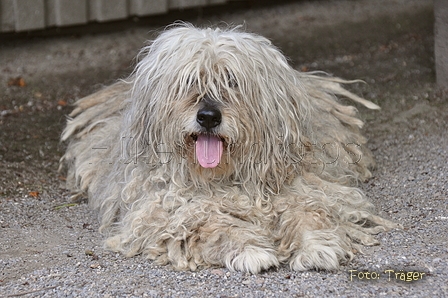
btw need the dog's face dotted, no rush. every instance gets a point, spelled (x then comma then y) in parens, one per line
(225, 102)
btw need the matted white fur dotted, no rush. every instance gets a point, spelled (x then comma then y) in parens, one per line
(289, 154)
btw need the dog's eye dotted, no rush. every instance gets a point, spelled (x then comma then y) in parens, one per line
(191, 81)
(231, 80)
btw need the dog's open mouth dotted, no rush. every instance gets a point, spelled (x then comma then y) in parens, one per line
(208, 148)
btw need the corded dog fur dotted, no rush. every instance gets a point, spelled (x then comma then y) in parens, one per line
(216, 152)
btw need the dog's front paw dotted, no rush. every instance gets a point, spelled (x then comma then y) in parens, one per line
(321, 250)
(252, 259)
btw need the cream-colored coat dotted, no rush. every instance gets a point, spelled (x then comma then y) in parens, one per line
(284, 189)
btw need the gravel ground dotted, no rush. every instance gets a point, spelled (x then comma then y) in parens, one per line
(51, 248)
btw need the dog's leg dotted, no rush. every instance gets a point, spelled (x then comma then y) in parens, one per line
(308, 240)
(362, 234)
(311, 240)
(237, 244)
(321, 249)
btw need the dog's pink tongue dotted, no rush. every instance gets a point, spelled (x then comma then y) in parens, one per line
(208, 150)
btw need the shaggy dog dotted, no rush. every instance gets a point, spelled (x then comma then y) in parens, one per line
(216, 152)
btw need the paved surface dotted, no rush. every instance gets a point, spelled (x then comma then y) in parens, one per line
(51, 248)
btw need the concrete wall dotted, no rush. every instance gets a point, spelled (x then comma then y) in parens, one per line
(24, 15)
(441, 42)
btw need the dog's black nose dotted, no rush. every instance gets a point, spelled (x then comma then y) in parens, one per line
(208, 117)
